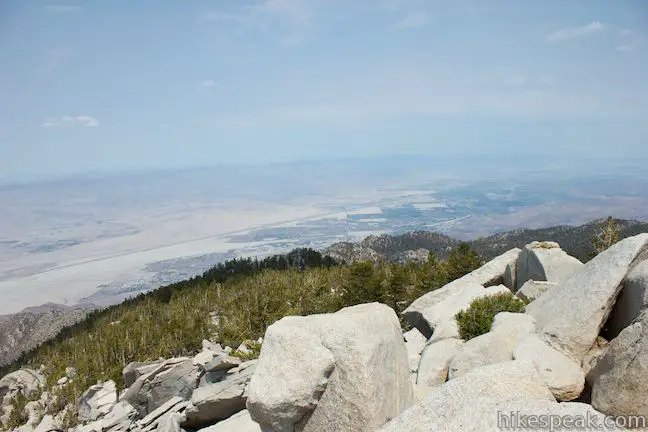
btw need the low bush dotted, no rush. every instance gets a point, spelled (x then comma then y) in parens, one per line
(478, 318)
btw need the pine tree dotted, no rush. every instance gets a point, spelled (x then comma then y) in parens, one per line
(606, 235)
(462, 261)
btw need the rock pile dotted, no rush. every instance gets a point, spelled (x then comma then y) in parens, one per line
(580, 349)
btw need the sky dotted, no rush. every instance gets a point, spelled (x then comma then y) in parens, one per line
(110, 85)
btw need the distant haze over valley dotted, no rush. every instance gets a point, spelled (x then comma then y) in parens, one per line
(99, 239)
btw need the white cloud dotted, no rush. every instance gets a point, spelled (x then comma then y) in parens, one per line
(575, 32)
(68, 121)
(63, 9)
(625, 32)
(208, 83)
(413, 20)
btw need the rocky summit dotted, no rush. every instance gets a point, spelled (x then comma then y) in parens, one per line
(575, 350)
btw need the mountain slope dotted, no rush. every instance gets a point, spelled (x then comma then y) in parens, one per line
(28, 329)
(575, 240)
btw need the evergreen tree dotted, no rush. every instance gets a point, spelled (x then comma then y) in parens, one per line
(606, 235)
(461, 261)
(360, 286)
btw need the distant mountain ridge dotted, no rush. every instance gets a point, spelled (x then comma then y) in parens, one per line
(32, 326)
(575, 240)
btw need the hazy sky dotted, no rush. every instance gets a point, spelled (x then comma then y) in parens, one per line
(122, 84)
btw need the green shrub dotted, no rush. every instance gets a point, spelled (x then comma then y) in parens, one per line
(254, 348)
(18, 415)
(478, 318)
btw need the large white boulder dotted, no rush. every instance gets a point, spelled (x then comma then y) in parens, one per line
(571, 315)
(632, 300)
(470, 402)
(560, 373)
(424, 312)
(433, 367)
(496, 346)
(544, 261)
(620, 380)
(346, 371)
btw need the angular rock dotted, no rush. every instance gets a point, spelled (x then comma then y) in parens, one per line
(218, 368)
(24, 380)
(216, 402)
(170, 422)
(134, 370)
(239, 422)
(414, 343)
(120, 417)
(343, 372)
(97, 401)
(161, 410)
(496, 346)
(173, 377)
(531, 289)
(509, 276)
(571, 314)
(544, 261)
(433, 367)
(47, 424)
(94, 426)
(207, 345)
(620, 380)
(421, 313)
(560, 373)
(470, 402)
(202, 358)
(632, 300)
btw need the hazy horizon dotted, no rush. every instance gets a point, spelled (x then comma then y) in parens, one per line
(450, 163)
